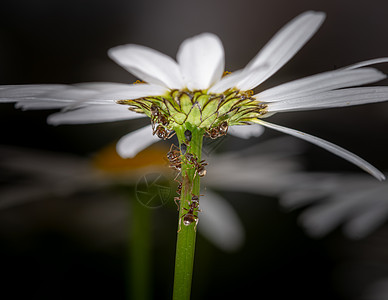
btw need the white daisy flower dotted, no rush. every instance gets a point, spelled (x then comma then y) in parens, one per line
(192, 90)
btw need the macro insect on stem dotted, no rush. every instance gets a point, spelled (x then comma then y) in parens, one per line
(190, 216)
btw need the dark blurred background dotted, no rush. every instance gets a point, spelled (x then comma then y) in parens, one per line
(43, 257)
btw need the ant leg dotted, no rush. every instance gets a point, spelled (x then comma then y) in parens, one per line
(180, 225)
(180, 222)
(196, 223)
(179, 173)
(176, 199)
(170, 135)
(154, 129)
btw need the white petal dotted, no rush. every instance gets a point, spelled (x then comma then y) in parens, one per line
(148, 64)
(227, 82)
(320, 220)
(16, 195)
(201, 59)
(367, 222)
(40, 163)
(252, 172)
(102, 86)
(81, 94)
(8, 93)
(367, 63)
(347, 200)
(337, 150)
(251, 78)
(32, 104)
(311, 188)
(132, 91)
(329, 99)
(110, 91)
(246, 131)
(321, 82)
(286, 43)
(32, 93)
(220, 223)
(132, 143)
(94, 114)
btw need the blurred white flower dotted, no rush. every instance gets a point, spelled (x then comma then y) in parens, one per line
(193, 90)
(354, 200)
(48, 174)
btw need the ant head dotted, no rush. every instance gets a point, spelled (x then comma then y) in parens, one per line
(161, 132)
(154, 110)
(224, 127)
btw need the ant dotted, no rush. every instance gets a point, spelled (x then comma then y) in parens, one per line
(190, 217)
(218, 131)
(173, 156)
(177, 200)
(161, 130)
(163, 133)
(178, 191)
(199, 166)
(157, 117)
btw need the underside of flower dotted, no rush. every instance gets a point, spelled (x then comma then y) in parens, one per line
(210, 112)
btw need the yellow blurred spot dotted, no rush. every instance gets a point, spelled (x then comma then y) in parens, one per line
(139, 81)
(226, 73)
(108, 160)
(249, 93)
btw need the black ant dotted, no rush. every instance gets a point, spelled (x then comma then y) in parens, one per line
(161, 130)
(179, 188)
(178, 191)
(157, 117)
(174, 153)
(218, 131)
(190, 217)
(163, 133)
(173, 156)
(199, 166)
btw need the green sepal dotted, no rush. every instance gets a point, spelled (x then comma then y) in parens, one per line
(179, 118)
(210, 108)
(185, 103)
(202, 100)
(209, 121)
(226, 106)
(195, 116)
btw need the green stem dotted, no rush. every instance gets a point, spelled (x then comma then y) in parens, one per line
(140, 248)
(185, 248)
